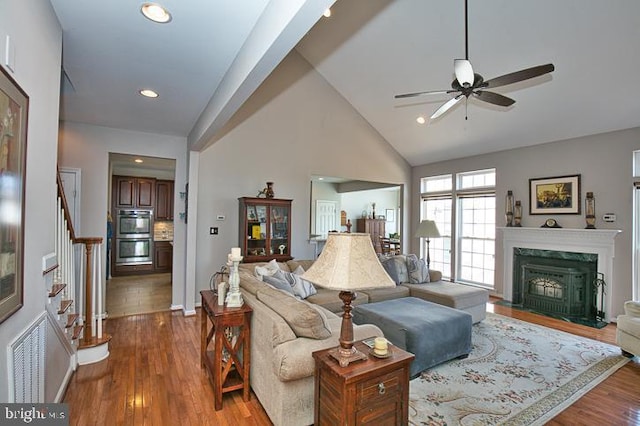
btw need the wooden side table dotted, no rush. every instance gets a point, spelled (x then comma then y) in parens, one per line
(231, 333)
(370, 392)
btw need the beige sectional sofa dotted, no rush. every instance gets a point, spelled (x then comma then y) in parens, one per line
(282, 368)
(285, 331)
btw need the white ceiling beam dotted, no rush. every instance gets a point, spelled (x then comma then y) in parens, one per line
(280, 27)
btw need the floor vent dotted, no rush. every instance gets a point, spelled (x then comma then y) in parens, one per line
(28, 359)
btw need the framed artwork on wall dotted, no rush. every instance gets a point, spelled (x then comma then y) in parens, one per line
(554, 195)
(14, 105)
(390, 214)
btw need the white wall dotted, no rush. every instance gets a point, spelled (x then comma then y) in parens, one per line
(87, 147)
(37, 39)
(605, 163)
(356, 203)
(295, 126)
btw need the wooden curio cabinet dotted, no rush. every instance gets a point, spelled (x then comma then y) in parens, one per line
(373, 227)
(265, 229)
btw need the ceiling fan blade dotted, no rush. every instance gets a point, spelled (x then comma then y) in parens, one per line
(446, 106)
(517, 76)
(429, 92)
(493, 98)
(464, 72)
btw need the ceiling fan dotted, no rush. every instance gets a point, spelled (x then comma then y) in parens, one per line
(468, 83)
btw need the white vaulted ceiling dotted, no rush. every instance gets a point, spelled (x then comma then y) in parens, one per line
(214, 54)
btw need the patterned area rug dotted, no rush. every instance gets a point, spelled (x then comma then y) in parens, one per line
(517, 374)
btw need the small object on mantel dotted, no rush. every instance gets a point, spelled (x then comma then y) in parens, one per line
(551, 223)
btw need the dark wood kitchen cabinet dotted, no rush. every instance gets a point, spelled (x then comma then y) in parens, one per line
(164, 200)
(163, 256)
(134, 192)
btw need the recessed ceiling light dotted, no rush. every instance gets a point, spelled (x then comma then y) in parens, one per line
(421, 120)
(138, 160)
(148, 93)
(156, 13)
(327, 13)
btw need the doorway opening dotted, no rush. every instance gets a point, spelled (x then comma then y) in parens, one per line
(140, 234)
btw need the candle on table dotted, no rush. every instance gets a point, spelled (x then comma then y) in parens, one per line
(380, 346)
(235, 252)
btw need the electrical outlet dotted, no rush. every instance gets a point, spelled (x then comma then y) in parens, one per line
(213, 230)
(220, 217)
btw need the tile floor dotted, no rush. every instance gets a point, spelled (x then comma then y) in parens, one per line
(138, 294)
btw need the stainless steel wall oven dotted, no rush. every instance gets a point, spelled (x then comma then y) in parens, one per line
(134, 237)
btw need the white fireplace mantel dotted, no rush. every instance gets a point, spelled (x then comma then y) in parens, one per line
(595, 241)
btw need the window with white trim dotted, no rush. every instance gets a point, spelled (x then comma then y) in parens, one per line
(465, 215)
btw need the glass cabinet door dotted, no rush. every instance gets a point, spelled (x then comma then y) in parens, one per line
(279, 230)
(256, 230)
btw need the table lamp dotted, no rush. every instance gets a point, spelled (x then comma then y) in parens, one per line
(427, 229)
(348, 263)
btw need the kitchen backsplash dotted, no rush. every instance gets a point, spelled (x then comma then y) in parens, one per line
(163, 230)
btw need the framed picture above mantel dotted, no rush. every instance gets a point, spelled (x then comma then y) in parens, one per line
(554, 195)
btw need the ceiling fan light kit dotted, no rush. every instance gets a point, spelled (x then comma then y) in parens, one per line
(467, 82)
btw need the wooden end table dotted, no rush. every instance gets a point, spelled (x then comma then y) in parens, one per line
(228, 361)
(370, 392)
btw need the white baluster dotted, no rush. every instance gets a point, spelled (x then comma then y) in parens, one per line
(98, 289)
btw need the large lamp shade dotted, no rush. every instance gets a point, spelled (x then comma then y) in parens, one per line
(348, 263)
(427, 230)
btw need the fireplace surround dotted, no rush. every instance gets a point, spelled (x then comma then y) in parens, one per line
(585, 242)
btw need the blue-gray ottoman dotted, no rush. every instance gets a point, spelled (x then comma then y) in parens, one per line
(432, 332)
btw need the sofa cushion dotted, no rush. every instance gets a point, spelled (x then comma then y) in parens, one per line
(305, 264)
(330, 299)
(249, 282)
(454, 295)
(385, 293)
(629, 324)
(298, 286)
(303, 318)
(278, 282)
(417, 270)
(632, 308)
(250, 267)
(269, 269)
(396, 267)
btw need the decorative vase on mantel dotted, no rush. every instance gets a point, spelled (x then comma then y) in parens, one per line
(590, 211)
(517, 214)
(508, 208)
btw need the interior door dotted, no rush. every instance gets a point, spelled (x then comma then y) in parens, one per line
(325, 217)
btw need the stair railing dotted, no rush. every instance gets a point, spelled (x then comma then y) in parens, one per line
(84, 279)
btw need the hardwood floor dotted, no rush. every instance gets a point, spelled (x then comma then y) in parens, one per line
(138, 294)
(153, 377)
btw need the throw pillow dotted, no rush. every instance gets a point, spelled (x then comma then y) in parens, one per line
(396, 267)
(268, 269)
(301, 287)
(302, 317)
(278, 282)
(417, 269)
